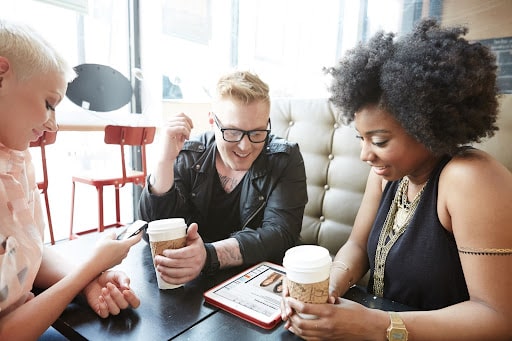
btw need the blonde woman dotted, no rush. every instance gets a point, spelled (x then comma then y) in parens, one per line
(33, 81)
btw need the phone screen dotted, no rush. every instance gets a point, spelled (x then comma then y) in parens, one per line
(132, 230)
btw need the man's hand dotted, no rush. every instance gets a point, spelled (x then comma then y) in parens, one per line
(179, 266)
(177, 130)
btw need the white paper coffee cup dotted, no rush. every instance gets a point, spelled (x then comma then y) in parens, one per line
(166, 234)
(307, 274)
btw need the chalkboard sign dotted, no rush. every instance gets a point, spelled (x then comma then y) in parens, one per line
(502, 47)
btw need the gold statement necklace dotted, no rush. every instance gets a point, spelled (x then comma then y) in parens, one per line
(399, 215)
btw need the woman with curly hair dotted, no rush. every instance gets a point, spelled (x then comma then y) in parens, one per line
(434, 224)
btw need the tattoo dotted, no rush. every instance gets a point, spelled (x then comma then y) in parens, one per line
(486, 252)
(236, 255)
(228, 253)
(228, 183)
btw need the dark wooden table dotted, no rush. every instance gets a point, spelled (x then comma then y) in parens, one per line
(179, 314)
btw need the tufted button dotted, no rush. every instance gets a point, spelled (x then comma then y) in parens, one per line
(336, 125)
(326, 187)
(198, 167)
(330, 156)
(201, 148)
(291, 123)
(193, 195)
(261, 198)
(322, 218)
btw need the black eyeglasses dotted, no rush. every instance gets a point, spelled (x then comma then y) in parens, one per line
(236, 135)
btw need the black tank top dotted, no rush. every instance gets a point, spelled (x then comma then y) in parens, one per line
(423, 268)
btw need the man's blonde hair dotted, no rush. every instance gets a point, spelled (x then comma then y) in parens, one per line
(244, 87)
(29, 54)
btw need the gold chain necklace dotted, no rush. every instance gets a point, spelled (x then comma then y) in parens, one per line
(399, 215)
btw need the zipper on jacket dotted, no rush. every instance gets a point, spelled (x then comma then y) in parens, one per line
(253, 215)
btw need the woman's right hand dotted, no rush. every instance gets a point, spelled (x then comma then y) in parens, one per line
(110, 252)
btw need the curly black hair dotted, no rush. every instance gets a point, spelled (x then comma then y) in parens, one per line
(439, 86)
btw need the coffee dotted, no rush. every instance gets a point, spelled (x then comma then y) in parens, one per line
(307, 273)
(166, 234)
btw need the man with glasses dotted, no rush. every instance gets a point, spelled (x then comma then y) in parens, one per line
(241, 190)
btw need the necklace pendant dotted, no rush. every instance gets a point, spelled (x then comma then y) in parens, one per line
(401, 218)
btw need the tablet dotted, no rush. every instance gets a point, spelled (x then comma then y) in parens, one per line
(253, 295)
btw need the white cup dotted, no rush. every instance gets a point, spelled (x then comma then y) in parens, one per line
(166, 234)
(307, 274)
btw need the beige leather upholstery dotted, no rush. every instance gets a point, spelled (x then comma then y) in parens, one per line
(336, 176)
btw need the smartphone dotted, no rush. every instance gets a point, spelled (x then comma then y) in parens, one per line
(131, 230)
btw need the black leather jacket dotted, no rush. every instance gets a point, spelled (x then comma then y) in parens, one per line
(272, 198)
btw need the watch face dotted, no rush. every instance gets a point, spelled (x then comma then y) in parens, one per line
(397, 334)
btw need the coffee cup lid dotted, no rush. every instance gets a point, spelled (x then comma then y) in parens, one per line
(306, 257)
(164, 225)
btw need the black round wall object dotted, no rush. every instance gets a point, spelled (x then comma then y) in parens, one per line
(99, 88)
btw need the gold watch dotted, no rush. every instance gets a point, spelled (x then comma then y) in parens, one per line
(396, 330)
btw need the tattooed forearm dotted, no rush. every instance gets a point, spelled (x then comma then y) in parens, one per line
(228, 252)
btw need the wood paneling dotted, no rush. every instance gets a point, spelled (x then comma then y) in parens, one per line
(485, 19)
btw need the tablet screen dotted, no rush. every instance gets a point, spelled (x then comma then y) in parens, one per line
(254, 294)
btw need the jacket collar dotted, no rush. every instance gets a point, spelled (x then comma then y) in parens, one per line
(209, 148)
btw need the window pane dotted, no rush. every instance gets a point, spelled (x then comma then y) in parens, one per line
(99, 37)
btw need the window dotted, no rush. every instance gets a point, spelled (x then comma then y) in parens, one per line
(187, 44)
(99, 36)
(288, 43)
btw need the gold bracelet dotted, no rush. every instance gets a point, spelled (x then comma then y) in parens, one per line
(341, 265)
(338, 264)
(484, 251)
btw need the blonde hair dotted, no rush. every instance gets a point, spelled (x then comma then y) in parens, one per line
(29, 54)
(244, 87)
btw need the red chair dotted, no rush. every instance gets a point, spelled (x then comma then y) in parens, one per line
(123, 136)
(47, 138)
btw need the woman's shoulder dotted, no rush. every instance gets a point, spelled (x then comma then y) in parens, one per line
(474, 160)
(472, 186)
(474, 167)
